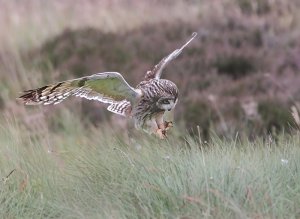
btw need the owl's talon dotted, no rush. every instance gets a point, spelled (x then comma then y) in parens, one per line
(168, 125)
(161, 133)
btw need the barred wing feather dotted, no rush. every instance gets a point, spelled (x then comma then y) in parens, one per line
(122, 108)
(107, 87)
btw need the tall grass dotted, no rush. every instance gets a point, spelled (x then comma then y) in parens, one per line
(95, 174)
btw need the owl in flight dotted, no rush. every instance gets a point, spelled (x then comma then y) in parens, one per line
(145, 104)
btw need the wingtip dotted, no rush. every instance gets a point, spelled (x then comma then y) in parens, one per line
(21, 100)
(26, 98)
(193, 36)
(190, 40)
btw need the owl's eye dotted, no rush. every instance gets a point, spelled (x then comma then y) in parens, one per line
(165, 102)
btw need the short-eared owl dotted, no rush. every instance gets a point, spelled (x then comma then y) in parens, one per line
(146, 103)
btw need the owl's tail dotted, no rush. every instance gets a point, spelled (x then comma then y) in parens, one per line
(50, 94)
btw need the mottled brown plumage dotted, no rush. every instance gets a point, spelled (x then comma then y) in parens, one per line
(146, 103)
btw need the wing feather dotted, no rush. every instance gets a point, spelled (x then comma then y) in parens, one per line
(157, 70)
(107, 87)
(122, 108)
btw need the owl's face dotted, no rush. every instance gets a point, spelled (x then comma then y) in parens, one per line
(166, 103)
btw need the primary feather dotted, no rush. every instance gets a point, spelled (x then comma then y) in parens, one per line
(157, 70)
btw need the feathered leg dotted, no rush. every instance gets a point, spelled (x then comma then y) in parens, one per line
(161, 126)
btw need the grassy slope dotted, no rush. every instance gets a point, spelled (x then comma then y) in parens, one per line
(94, 174)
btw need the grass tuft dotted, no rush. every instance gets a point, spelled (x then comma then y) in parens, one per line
(91, 173)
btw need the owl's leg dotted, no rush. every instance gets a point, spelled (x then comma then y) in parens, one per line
(161, 133)
(161, 126)
(151, 127)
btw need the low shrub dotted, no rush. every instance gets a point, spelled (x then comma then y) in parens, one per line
(275, 116)
(235, 66)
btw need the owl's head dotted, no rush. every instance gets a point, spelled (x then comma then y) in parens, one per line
(166, 94)
(166, 103)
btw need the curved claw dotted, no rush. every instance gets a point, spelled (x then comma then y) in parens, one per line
(168, 125)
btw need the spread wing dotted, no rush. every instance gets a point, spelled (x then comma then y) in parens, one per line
(107, 87)
(157, 70)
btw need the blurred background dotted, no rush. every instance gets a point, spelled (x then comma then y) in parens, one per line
(241, 74)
